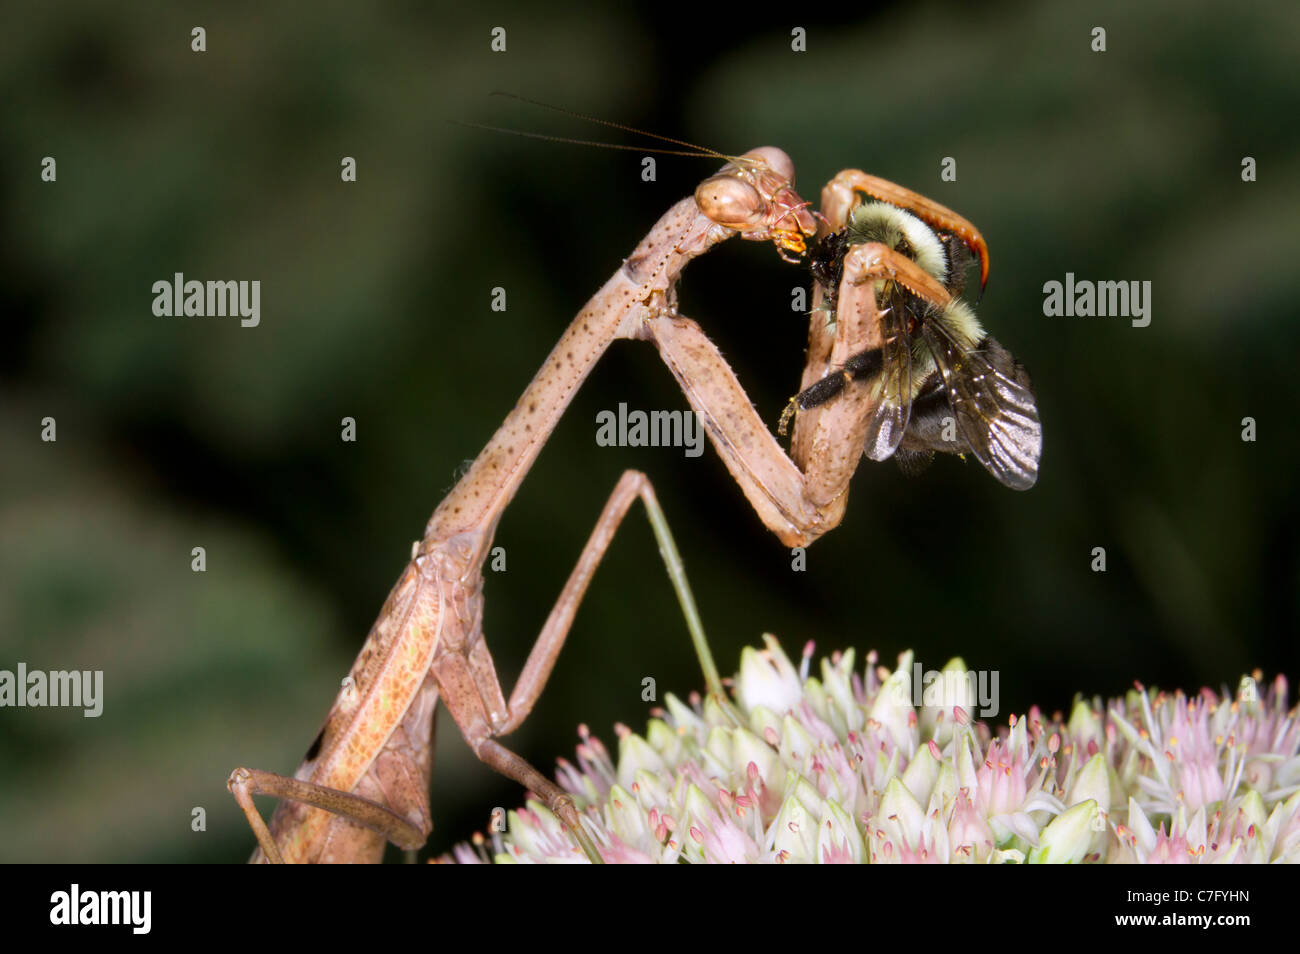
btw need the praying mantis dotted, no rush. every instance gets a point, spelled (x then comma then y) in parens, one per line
(365, 780)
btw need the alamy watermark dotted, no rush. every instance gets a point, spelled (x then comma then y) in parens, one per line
(195, 299)
(973, 690)
(637, 428)
(82, 689)
(1088, 299)
(76, 906)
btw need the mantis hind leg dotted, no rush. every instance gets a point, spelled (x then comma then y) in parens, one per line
(475, 667)
(631, 486)
(244, 783)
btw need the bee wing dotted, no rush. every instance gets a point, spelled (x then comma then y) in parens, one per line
(894, 404)
(993, 402)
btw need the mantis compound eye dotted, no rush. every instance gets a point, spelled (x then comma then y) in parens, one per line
(730, 201)
(776, 160)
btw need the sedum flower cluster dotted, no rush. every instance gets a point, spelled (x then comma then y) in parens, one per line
(848, 768)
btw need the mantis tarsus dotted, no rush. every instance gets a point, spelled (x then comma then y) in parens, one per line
(366, 778)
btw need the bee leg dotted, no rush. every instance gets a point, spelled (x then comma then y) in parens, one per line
(830, 435)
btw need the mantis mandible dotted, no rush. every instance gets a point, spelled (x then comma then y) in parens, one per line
(365, 780)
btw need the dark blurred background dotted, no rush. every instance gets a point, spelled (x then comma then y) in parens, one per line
(175, 433)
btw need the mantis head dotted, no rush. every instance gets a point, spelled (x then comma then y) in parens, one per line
(754, 194)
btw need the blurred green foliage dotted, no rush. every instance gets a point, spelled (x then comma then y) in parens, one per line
(175, 433)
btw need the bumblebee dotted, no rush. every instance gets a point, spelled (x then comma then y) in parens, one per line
(939, 381)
